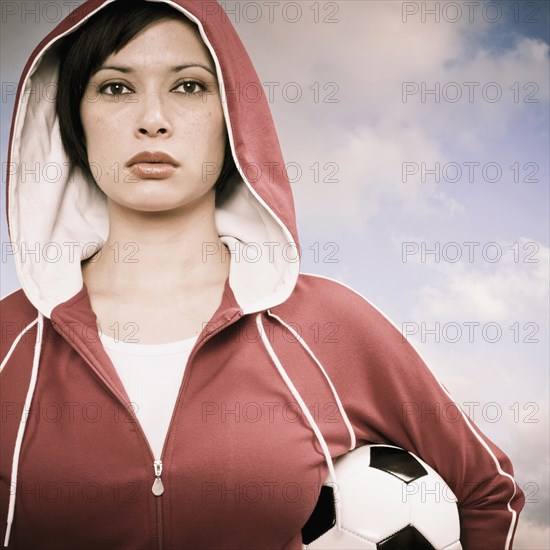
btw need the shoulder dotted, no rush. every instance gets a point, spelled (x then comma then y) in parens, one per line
(337, 296)
(16, 305)
(348, 331)
(17, 314)
(326, 299)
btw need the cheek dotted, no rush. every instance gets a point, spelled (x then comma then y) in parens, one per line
(209, 125)
(218, 137)
(208, 131)
(203, 139)
(102, 140)
(98, 134)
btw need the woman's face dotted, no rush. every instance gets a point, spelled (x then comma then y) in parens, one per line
(153, 120)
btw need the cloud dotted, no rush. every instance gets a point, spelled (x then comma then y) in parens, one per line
(531, 536)
(476, 325)
(531, 469)
(370, 164)
(373, 129)
(507, 379)
(505, 291)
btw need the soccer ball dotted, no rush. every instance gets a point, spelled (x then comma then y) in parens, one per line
(389, 500)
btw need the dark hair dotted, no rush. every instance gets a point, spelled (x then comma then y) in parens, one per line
(82, 53)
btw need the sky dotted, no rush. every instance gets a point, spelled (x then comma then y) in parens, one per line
(416, 136)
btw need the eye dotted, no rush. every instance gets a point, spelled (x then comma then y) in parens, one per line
(190, 87)
(115, 88)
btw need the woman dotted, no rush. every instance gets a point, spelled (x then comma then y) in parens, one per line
(173, 229)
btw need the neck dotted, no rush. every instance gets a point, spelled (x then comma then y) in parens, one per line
(151, 252)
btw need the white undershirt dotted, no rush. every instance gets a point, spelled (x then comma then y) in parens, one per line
(151, 375)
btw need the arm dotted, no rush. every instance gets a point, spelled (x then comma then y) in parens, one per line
(391, 396)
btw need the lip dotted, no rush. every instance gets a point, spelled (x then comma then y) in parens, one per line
(152, 165)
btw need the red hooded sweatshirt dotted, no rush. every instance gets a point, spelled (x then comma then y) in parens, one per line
(242, 463)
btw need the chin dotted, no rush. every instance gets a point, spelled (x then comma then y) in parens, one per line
(159, 195)
(156, 202)
(161, 205)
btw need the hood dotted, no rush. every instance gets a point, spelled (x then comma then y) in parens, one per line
(55, 220)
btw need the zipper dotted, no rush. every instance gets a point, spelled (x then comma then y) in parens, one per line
(158, 487)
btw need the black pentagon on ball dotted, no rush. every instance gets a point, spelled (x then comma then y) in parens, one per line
(323, 517)
(397, 462)
(405, 539)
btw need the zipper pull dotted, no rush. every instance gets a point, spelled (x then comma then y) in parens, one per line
(158, 487)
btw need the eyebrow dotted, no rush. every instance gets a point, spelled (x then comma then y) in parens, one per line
(176, 69)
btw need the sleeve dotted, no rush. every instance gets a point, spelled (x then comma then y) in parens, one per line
(391, 396)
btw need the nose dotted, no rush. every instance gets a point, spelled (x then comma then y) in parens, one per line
(153, 119)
